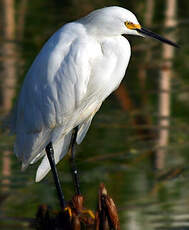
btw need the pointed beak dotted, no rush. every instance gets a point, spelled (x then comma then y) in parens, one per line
(149, 33)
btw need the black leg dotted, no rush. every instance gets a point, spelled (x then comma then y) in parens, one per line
(50, 155)
(75, 174)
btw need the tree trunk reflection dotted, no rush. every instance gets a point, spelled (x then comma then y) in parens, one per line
(165, 86)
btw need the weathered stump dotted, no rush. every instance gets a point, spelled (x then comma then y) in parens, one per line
(77, 217)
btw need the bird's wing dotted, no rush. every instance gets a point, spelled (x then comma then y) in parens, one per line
(53, 89)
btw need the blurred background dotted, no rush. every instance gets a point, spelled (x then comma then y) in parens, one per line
(138, 141)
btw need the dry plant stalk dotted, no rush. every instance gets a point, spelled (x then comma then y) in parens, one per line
(106, 217)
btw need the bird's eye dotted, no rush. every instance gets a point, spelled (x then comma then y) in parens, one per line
(128, 23)
(132, 26)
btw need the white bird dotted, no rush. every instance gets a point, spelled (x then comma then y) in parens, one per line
(75, 71)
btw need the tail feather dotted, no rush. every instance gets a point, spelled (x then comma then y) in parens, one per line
(60, 150)
(83, 128)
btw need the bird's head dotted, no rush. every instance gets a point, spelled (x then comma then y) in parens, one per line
(113, 21)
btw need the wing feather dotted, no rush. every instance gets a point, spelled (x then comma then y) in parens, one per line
(53, 89)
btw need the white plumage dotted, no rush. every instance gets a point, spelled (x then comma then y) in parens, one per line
(78, 67)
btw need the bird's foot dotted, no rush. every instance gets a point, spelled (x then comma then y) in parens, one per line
(69, 211)
(75, 210)
(89, 212)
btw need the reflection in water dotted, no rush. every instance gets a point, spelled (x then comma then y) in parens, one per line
(8, 76)
(6, 171)
(133, 224)
(122, 140)
(8, 49)
(165, 86)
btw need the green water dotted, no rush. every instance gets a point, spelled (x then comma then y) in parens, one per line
(120, 146)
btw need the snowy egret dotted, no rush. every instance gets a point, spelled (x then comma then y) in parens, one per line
(76, 70)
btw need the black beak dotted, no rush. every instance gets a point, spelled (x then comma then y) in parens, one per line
(156, 36)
